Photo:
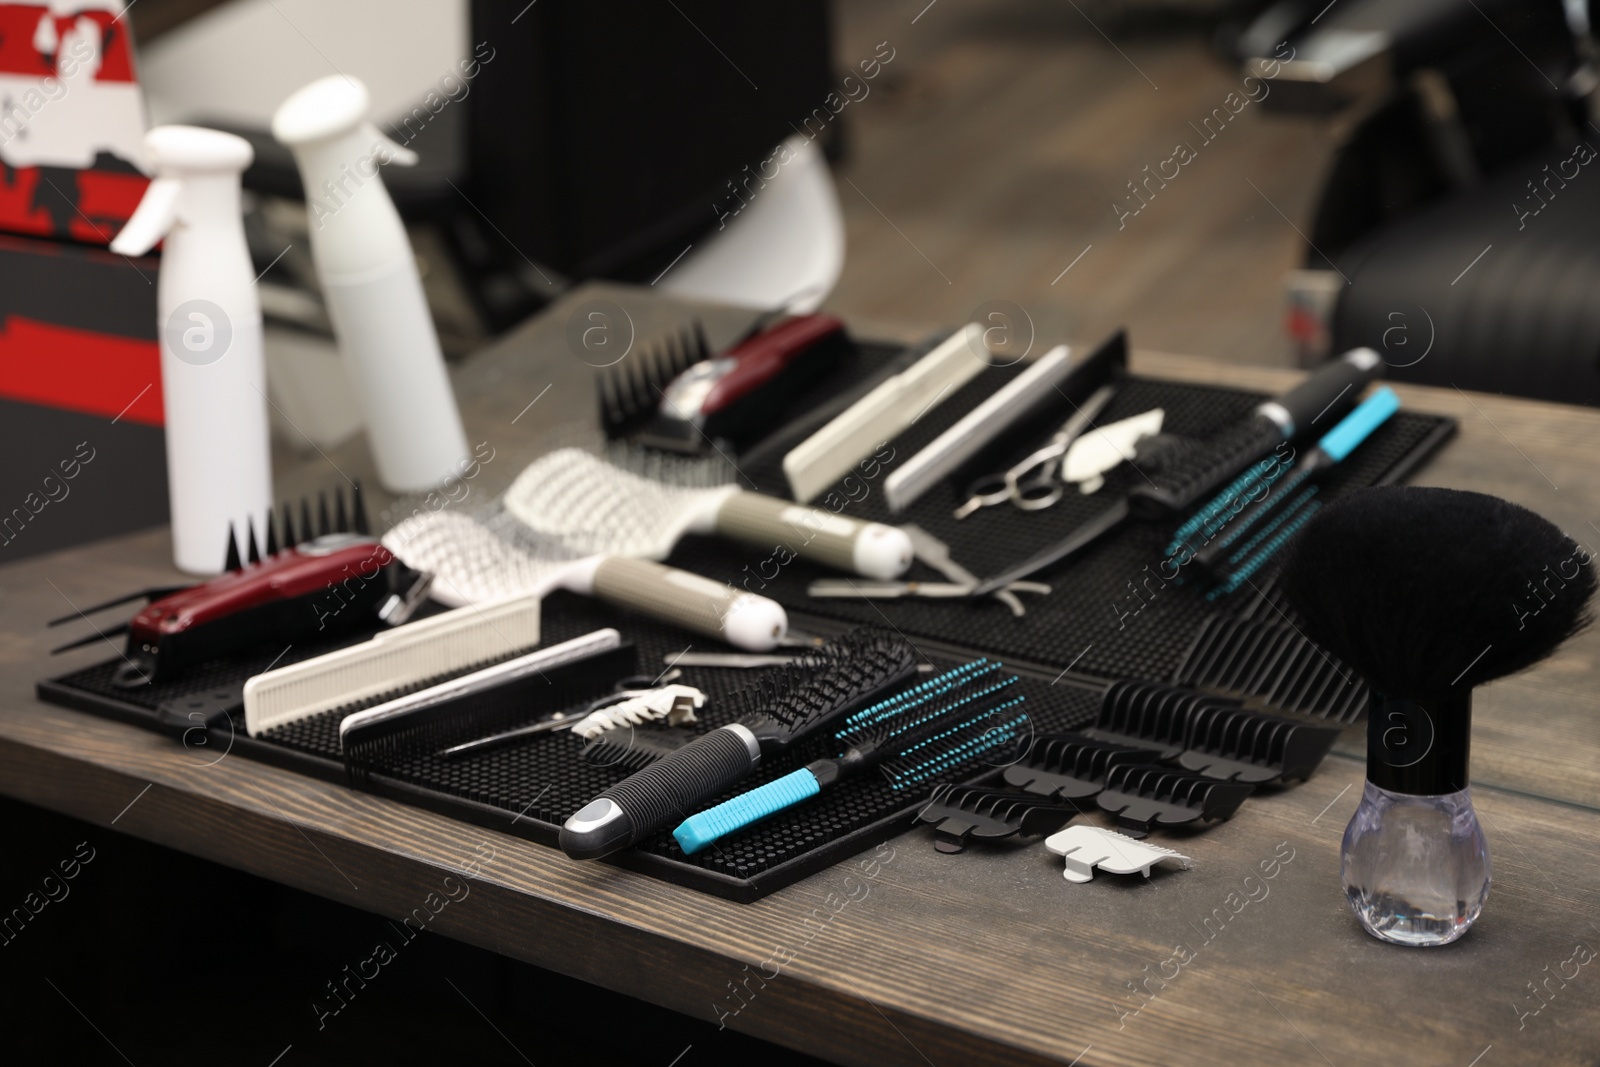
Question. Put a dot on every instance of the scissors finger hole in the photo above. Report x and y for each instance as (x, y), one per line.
(1037, 495)
(991, 489)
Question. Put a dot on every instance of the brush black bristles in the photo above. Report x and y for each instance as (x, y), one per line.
(1424, 591)
(927, 733)
(784, 705)
(789, 701)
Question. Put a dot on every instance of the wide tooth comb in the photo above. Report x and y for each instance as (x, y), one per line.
(1274, 664)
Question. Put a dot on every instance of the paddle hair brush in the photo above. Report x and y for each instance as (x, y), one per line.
(784, 705)
(1429, 593)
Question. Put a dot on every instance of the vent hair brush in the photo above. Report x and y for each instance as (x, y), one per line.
(590, 506)
(919, 736)
(785, 705)
(472, 564)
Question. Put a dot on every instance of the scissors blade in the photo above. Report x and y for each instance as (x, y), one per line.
(1075, 542)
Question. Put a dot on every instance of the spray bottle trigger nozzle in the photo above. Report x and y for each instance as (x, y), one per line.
(152, 219)
(397, 152)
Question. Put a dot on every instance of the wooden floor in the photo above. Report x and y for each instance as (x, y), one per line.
(990, 152)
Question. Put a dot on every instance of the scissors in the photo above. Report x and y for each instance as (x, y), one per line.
(631, 686)
(1032, 485)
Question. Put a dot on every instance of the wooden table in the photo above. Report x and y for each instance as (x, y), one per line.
(907, 956)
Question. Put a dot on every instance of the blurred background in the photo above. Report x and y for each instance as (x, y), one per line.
(990, 151)
(1260, 181)
(1256, 181)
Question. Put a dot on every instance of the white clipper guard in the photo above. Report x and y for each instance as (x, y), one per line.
(1086, 847)
(1099, 450)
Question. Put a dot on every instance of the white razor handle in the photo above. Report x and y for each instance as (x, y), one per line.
(742, 619)
(870, 549)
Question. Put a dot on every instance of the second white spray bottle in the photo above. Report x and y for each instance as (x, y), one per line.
(369, 279)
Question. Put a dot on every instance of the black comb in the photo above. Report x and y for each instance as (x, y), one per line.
(1274, 664)
(1210, 735)
(783, 705)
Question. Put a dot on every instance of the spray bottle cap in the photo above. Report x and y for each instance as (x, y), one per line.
(327, 108)
(177, 153)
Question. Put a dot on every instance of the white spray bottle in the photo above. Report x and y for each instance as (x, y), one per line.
(213, 377)
(369, 279)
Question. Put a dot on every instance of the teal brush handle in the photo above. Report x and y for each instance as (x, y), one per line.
(1357, 426)
(699, 830)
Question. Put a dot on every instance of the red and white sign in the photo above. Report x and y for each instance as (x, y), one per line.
(69, 100)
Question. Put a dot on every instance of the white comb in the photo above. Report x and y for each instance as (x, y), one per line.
(588, 506)
(391, 661)
(881, 415)
(473, 563)
(1087, 847)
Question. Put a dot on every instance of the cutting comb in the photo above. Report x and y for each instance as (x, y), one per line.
(784, 705)
(923, 734)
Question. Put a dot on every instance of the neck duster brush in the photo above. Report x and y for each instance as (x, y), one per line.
(1429, 593)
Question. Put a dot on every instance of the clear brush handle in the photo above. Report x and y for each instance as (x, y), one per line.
(699, 830)
(742, 619)
(1415, 868)
(870, 549)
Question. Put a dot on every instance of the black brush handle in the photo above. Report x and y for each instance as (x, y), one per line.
(1305, 407)
(661, 795)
